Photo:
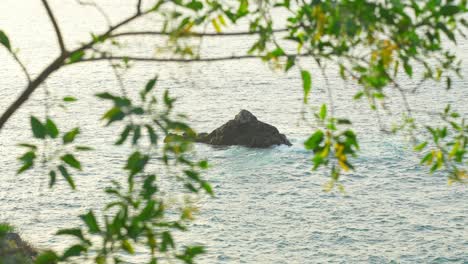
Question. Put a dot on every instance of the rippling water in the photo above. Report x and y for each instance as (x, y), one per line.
(269, 206)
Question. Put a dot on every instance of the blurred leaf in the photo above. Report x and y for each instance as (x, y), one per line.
(306, 84)
(4, 40)
(47, 257)
(28, 161)
(90, 220)
(124, 134)
(290, 62)
(71, 161)
(313, 141)
(51, 128)
(67, 176)
(83, 148)
(69, 99)
(69, 137)
(39, 130)
(323, 112)
(53, 178)
(73, 251)
(127, 247)
(166, 241)
(76, 232)
(216, 25)
(76, 56)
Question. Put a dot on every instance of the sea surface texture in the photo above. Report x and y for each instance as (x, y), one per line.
(270, 207)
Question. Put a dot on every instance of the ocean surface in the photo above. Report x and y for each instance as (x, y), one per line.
(269, 206)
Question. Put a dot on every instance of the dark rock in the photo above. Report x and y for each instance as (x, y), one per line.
(15, 250)
(244, 130)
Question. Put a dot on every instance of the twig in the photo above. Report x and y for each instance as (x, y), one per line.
(139, 7)
(191, 34)
(98, 8)
(54, 66)
(23, 67)
(56, 26)
(149, 59)
(32, 86)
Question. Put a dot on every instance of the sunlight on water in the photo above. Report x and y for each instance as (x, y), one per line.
(269, 206)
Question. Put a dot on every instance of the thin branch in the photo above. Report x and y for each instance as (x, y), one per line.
(191, 34)
(54, 66)
(150, 59)
(23, 67)
(98, 8)
(56, 26)
(139, 6)
(32, 86)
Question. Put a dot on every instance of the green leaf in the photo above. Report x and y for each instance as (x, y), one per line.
(124, 135)
(150, 85)
(67, 176)
(449, 10)
(136, 162)
(207, 187)
(203, 164)
(51, 128)
(243, 8)
(152, 135)
(166, 241)
(4, 40)
(408, 69)
(306, 84)
(38, 129)
(313, 141)
(26, 145)
(69, 99)
(106, 96)
(90, 220)
(114, 114)
(83, 148)
(216, 25)
(323, 112)
(343, 121)
(420, 146)
(76, 232)
(136, 135)
(73, 251)
(358, 95)
(69, 137)
(28, 161)
(47, 257)
(53, 178)
(195, 5)
(71, 161)
(290, 63)
(127, 247)
(76, 56)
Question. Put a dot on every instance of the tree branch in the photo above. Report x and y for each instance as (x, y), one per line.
(32, 86)
(138, 7)
(55, 65)
(56, 26)
(23, 67)
(149, 59)
(98, 8)
(191, 34)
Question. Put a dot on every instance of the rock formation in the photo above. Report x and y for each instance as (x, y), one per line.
(244, 130)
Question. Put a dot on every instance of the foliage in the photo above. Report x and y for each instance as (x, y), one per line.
(13, 250)
(6, 228)
(373, 43)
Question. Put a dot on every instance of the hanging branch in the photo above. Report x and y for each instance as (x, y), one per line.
(56, 26)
